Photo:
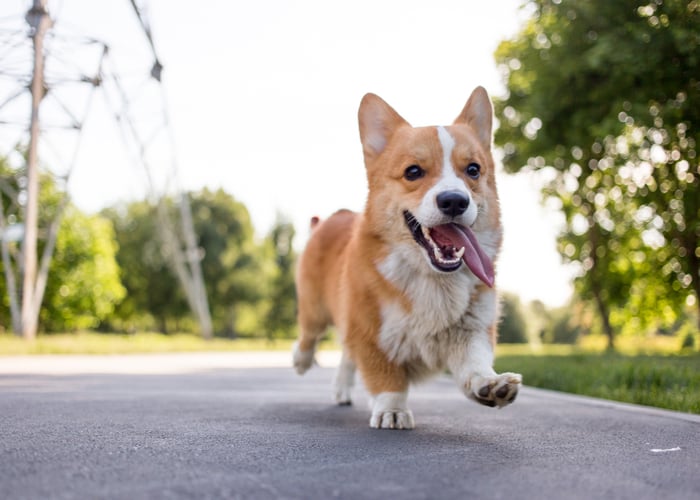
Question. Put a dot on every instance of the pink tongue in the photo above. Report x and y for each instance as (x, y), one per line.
(474, 257)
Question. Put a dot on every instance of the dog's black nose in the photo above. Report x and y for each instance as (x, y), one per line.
(452, 203)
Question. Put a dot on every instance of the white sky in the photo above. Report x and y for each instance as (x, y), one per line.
(263, 99)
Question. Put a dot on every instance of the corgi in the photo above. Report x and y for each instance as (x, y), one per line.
(409, 283)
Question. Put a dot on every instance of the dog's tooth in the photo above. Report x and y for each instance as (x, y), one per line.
(459, 253)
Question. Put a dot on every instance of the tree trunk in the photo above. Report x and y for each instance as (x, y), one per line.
(605, 319)
(163, 325)
(694, 270)
(594, 239)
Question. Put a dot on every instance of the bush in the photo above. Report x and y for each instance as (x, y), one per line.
(512, 328)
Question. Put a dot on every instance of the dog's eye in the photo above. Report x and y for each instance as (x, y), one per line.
(473, 170)
(413, 173)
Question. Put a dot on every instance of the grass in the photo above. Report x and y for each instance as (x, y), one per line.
(97, 343)
(642, 371)
(664, 381)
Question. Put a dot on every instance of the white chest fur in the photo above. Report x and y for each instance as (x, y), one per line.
(441, 313)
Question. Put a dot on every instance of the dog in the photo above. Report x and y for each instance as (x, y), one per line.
(409, 283)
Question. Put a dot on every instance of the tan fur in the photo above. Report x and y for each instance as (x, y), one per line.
(339, 281)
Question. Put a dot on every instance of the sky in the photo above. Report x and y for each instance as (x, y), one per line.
(262, 99)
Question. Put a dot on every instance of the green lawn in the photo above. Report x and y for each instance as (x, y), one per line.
(671, 381)
(97, 343)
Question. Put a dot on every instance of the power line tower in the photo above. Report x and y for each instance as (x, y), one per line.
(40, 22)
(178, 238)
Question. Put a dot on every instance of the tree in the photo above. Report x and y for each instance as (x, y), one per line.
(10, 235)
(233, 265)
(512, 328)
(280, 319)
(24, 316)
(152, 289)
(82, 285)
(604, 98)
(563, 327)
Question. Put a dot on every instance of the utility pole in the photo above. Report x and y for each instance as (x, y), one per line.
(196, 281)
(39, 20)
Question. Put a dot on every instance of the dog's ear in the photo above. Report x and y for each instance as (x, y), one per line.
(478, 114)
(378, 122)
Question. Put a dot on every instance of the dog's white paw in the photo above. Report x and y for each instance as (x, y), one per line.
(342, 396)
(392, 419)
(389, 411)
(344, 381)
(303, 360)
(495, 390)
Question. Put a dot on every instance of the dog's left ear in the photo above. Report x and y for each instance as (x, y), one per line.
(478, 114)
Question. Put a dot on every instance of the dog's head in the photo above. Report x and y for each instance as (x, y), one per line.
(435, 186)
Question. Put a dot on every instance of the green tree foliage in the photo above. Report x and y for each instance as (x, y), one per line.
(10, 207)
(280, 319)
(152, 289)
(512, 329)
(563, 328)
(604, 99)
(233, 265)
(83, 283)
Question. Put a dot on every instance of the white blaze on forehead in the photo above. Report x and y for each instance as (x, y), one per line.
(447, 142)
(448, 179)
(428, 213)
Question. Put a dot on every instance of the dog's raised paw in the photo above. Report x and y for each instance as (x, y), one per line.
(497, 390)
(392, 419)
(302, 360)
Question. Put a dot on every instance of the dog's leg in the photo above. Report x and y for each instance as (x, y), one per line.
(472, 367)
(344, 380)
(389, 411)
(478, 379)
(303, 359)
(471, 359)
(310, 332)
(388, 385)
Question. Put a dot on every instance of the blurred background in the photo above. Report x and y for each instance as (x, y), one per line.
(181, 150)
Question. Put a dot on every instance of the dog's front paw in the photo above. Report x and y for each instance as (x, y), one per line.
(392, 419)
(303, 360)
(496, 390)
(389, 411)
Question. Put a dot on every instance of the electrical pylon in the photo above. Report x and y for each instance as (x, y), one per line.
(182, 252)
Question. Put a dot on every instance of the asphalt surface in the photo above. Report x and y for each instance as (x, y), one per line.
(199, 426)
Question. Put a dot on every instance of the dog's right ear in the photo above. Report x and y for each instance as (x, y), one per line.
(378, 122)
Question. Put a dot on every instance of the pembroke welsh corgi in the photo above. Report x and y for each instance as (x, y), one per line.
(409, 283)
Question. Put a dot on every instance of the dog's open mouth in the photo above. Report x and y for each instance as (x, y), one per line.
(448, 245)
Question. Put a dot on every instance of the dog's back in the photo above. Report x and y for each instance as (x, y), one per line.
(319, 268)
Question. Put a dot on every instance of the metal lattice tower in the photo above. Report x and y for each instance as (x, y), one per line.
(54, 68)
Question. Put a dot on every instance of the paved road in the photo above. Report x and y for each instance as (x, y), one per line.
(215, 426)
